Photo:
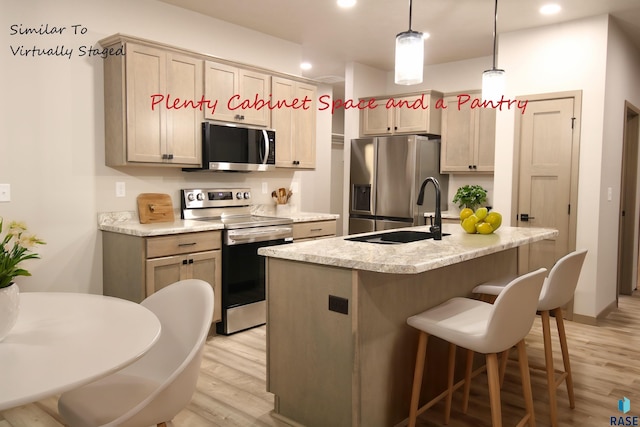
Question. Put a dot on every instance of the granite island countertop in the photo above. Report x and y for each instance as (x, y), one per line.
(407, 258)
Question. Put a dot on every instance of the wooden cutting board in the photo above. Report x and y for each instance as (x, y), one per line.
(155, 207)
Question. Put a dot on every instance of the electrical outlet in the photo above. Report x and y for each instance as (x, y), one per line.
(121, 190)
(5, 192)
(609, 193)
(265, 189)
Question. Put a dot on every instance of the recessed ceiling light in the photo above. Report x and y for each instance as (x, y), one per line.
(306, 66)
(346, 3)
(550, 9)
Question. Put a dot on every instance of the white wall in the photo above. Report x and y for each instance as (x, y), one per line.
(622, 84)
(315, 184)
(52, 141)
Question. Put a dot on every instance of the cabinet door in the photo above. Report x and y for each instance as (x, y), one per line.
(184, 135)
(418, 113)
(295, 128)
(162, 272)
(485, 140)
(220, 84)
(408, 119)
(304, 125)
(145, 76)
(458, 134)
(376, 121)
(207, 266)
(254, 87)
(282, 120)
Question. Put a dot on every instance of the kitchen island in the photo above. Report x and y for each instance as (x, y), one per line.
(339, 351)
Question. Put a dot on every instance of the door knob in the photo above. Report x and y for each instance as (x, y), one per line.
(525, 217)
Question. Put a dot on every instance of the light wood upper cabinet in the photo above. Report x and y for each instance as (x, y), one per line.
(295, 127)
(402, 115)
(468, 136)
(139, 128)
(231, 86)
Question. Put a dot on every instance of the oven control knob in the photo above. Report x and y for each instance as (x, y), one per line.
(191, 197)
(247, 195)
(239, 195)
(200, 196)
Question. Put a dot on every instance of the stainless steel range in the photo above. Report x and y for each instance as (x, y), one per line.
(243, 270)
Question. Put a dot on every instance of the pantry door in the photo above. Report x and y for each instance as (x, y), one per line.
(546, 153)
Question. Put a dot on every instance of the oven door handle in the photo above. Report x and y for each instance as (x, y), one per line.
(244, 236)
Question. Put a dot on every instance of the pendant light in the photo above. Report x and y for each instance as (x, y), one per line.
(409, 55)
(493, 80)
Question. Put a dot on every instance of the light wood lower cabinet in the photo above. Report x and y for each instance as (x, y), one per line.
(313, 230)
(136, 267)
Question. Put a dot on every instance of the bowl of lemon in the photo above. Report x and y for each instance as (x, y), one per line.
(482, 221)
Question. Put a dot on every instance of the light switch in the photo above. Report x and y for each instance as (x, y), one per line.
(5, 192)
(609, 193)
(121, 190)
(265, 189)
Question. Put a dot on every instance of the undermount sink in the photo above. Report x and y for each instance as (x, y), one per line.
(394, 237)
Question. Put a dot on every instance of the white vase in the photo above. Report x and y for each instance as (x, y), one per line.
(9, 308)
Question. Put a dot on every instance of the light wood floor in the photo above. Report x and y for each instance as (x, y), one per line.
(231, 387)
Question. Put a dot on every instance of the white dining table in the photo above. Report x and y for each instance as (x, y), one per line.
(64, 340)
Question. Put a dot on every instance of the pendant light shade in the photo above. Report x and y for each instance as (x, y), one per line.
(409, 55)
(493, 80)
(409, 58)
(493, 85)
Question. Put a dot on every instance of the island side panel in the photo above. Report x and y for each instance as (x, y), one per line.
(309, 348)
(386, 345)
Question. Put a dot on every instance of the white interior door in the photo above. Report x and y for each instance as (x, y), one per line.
(548, 140)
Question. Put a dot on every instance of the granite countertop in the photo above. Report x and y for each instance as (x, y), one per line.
(287, 212)
(128, 223)
(407, 258)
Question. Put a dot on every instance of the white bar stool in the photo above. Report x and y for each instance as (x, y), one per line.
(557, 291)
(483, 328)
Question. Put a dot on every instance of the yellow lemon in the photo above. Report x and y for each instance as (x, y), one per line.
(481, 213)
(495, 219)
(484, 228)
(465, 213)
(469, 224)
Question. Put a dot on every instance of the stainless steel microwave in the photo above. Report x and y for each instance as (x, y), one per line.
(237, 148)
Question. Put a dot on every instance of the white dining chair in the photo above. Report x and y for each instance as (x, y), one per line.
(482, 328)
(152, 390)
(557, 291)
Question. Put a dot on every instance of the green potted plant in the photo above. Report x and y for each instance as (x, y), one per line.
(470, 196)
(15, 247)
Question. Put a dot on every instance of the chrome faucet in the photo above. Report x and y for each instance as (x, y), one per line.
(436, 228)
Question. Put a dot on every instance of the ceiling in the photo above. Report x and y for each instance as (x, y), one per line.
(460, 29)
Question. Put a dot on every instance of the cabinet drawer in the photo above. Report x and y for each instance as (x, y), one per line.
(307, 230)
(182, 243)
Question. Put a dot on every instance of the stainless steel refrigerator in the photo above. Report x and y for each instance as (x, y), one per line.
(386, 173)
